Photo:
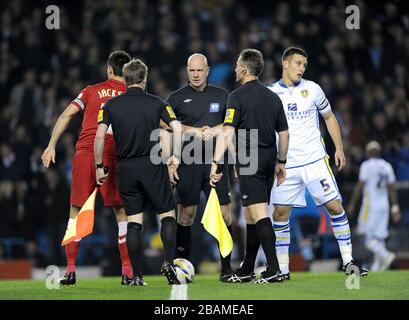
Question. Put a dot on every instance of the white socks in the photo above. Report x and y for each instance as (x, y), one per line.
(378, 248)
(340, 227)
(282, 232)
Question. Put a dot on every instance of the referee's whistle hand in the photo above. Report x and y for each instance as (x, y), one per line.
(173, 177)
(173, 165)
(215, 178)
(280, 173)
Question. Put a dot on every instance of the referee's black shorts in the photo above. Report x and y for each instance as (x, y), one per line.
(256, 188)
(142, 183)
(193, 178)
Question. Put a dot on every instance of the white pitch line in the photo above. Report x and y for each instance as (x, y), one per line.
(179, 292)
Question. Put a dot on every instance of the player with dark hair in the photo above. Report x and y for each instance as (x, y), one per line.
(376, 185)
(307, 165)
(259, 113)
(88, 103)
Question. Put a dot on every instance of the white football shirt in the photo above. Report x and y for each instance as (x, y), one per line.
(301, 103)
(377, 174)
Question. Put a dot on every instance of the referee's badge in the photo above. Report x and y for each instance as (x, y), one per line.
(229, 116)
(170, 112)
(214, 107)
(304, 93)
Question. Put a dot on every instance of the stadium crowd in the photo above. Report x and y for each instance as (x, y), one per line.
(363, 73)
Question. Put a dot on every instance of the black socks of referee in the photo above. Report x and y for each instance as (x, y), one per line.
(252, 245)
(168, 236)
(184, 241)
(267, 238)
(134, 244)
(226, 262)
(184, 246)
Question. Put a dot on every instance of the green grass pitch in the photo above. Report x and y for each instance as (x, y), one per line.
(392, 285)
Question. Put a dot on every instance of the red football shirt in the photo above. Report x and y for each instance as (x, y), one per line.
(89, 101)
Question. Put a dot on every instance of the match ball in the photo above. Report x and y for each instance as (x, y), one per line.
(184, 270)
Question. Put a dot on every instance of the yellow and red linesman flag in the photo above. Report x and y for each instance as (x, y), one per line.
(83, 222)
(213, 222)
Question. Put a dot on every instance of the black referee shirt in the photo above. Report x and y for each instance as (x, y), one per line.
(199, 108)
(134, 115)
(254, 106)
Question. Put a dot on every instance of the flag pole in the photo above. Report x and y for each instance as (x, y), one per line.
(213, 221)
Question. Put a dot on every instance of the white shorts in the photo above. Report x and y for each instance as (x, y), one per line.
(317, 177)
(373, 221)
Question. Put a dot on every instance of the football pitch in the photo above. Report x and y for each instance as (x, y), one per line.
(393, 285)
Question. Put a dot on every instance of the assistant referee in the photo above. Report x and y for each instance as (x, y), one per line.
(133, 116)
(259, 112)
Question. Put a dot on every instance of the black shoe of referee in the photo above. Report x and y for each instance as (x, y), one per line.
(270, 276)
(225, 275)
(69, 279)
(239, 277)
(168, 270)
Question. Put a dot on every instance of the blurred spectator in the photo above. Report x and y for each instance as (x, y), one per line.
(56, 205)
(27, 97)
(402, 167)
(11, 166)
(7, 206)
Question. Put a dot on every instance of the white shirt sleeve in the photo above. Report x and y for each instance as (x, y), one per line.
(363, 173)
(391, 175)
(321, 101)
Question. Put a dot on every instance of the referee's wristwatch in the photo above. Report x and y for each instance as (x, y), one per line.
(99, 165)
(282, 161)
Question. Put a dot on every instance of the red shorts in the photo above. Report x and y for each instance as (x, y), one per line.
(83, 180)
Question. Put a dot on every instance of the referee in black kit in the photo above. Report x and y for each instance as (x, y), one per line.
(133, 116)
(200, 107)
(254, 106)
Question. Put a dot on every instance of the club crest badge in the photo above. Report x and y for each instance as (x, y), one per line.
(214, 107)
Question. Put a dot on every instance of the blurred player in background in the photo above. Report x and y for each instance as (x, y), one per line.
(307, 164)
(377, 182)
(89, 102)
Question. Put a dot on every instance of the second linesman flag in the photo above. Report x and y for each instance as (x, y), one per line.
(213, 222)
(83, 222)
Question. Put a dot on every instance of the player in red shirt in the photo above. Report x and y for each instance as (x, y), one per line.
(89, 102)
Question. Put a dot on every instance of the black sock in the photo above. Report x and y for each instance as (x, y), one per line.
(134, 244)
(226, 262)
(267, 237)
(252, 245)
(183, 241)
(168, 236)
